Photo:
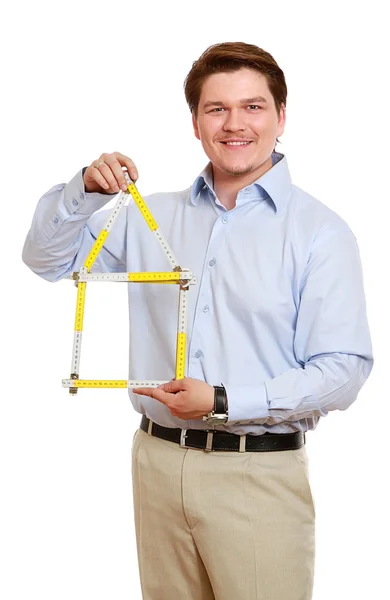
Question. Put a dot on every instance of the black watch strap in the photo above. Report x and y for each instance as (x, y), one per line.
(220, 400)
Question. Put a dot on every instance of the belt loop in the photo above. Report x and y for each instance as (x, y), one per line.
(209, 443)
(242, 443)
(150, 427)
(183, 436)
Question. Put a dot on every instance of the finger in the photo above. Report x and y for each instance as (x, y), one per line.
(95, 174)
(159, 395)
(116, 168)
(105, 170)
(125, 161)
(144, 391)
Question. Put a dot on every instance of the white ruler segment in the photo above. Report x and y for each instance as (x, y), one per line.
(167, 249)
(75, 368)
(116, 210)
(106, 383)
(183, 311)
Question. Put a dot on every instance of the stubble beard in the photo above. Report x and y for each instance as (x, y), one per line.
(238, 171)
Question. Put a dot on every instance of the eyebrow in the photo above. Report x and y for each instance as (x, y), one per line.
(244, 101)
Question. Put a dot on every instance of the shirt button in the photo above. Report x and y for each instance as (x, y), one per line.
(198, 354)
(224, 219)
(247, 190)
(206, 308)
(74, 202)
(81, 196)
(212, 262)
(55, 220)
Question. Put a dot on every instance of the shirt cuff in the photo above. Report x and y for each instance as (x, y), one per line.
(77, 200)
(247, 403)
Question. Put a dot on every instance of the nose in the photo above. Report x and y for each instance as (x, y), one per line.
(234, 121)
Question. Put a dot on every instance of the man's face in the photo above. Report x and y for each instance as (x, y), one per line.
(237, 128)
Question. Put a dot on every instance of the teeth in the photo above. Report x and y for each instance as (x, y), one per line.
(236, 143)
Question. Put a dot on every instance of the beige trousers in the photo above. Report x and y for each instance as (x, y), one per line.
(222, 525)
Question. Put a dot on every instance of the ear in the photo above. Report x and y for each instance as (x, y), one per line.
(282, 120)
(195, 126)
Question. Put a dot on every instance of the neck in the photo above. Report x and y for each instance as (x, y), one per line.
(227, 186)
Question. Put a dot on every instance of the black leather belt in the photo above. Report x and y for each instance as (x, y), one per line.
(211, 440)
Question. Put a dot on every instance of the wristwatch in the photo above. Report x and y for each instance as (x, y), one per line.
(219, 415)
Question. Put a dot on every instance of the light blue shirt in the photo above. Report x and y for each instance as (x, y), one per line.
(278, 315)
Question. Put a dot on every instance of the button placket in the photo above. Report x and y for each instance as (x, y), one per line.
(204, 292)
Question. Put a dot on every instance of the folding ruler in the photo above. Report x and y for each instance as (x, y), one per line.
(182, 277)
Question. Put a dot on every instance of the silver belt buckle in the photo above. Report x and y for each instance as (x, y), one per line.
(182, 438)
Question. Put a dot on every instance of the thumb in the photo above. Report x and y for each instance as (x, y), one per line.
(172, 386)
(162, 384)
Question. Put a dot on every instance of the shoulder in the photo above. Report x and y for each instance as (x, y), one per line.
(313, 218)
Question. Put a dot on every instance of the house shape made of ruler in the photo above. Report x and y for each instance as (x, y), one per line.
(181, 277)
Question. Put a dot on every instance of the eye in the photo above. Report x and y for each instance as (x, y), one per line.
(254, 107)
(217, 109)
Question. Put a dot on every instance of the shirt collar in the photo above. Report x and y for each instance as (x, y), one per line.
(275, 183)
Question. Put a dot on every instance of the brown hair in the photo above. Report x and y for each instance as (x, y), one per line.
(229, 57)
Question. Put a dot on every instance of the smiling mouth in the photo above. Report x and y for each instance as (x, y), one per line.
(235, 144)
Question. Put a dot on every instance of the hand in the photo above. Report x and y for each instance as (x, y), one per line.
(108, 178)
(186, 398)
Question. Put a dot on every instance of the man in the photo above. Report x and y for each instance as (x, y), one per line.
(278, 337)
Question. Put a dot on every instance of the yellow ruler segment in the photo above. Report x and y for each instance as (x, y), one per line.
(100, 383)
(142, 206)
(92, 256)
(180, 355)
(80, 302)
(156, 277)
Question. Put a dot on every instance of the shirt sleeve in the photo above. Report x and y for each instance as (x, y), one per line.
(65, 225)
(332, 342)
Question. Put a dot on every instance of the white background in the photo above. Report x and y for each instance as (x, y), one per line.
(91, 77)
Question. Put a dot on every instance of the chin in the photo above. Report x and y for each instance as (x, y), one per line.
(238, 170)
